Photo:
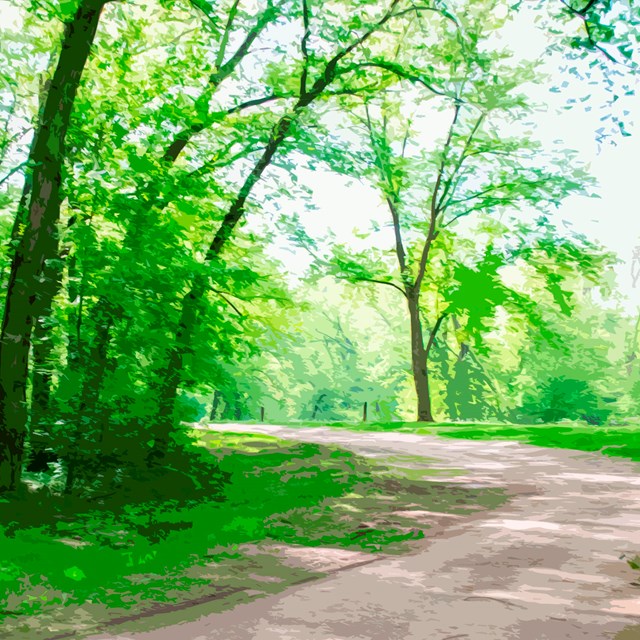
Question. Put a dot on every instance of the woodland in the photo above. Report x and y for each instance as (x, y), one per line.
(153, 154)
(160, 161)
(140, 290)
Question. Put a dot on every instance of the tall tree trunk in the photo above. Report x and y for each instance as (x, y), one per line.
(95, 364)
(42, 374)
(215, 405)
(227, 410)
(419, 360)
(27, 291)
(42, 349)
(171, 377)
(191, 302)
(91, 356)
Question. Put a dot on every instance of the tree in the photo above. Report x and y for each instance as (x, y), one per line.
(327, 71)
(176, 176)
(475, 169)
(27, 291)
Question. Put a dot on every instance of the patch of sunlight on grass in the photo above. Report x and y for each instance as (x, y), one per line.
(611, 440)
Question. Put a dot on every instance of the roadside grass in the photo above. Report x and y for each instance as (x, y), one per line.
(68, 565)
(620, 441)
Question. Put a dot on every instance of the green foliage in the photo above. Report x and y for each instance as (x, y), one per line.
(196, 143)
(195, 139)
(564, 399)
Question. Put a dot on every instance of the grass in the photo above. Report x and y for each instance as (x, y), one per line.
(621, 441)
(64, 567)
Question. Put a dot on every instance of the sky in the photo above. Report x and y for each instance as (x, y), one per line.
(346, 207)
(612, 218)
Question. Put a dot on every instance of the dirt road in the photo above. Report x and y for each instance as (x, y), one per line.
(546, 566)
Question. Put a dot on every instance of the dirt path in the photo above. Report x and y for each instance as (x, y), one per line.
(545, 566)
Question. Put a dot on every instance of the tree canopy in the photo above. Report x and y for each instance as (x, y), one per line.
(155, 161)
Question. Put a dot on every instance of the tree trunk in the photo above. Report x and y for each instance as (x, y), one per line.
(172, 375)
(94, 366)
(42, 349)
(42, 374)
(316, 406)
(419, 360)
(227, 410)
(27, 290)
(215, 405)
(189, 316)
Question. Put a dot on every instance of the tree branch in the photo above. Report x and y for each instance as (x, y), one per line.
(330, 69)
(457, 217)
(432, 234)
(223, 295)
(479, 194)
(433, 332)
(224, 41)
(399, 71)
(224, 70)
(12, 171)
(391, 198)
(582, 14)
(279, 134)
(227, 68)
(456, 169)
(375, 281)
(182, 139)
(304, 47)
(579, 12)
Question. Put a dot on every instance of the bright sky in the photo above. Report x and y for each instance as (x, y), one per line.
(613, 219)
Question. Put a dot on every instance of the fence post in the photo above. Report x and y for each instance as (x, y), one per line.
(261, 414)
(364, 412)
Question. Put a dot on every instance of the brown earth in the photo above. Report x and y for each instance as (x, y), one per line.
(546, 566)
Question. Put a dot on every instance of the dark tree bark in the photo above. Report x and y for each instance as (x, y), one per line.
(27, 290)
(419, 361)
(420, 357)
(94, 363)
(170, 381)
(215, 405)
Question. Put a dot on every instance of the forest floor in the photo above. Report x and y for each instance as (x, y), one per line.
(549, 563)
(289, 512)
(617, 441)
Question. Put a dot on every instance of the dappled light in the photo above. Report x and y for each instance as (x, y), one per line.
(320, 319)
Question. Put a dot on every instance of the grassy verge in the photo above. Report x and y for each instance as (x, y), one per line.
(77, 567)
(622, 441)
